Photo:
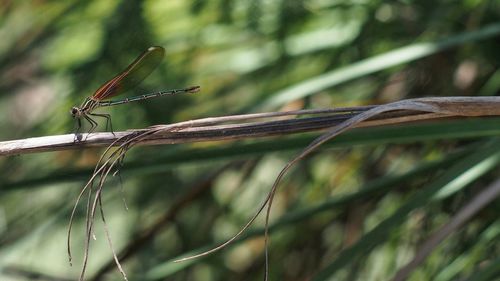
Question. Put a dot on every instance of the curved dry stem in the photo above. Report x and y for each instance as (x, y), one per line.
(89, 183)
(336, 130)
(229, 241)
(70, 226)
(91, 216)
(102, 169)
(88, 233)
(110, 242)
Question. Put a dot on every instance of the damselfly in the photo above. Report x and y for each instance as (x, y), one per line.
(132, 76)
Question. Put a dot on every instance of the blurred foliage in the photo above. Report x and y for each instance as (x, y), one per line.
(356, 211)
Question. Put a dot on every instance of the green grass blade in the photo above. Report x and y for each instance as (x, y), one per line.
(469, 259)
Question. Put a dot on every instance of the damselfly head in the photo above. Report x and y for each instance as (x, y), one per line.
(76, 112)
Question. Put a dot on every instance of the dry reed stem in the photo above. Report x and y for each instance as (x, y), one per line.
(206, 129)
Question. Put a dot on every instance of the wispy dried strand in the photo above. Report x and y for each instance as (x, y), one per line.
(105, 165)
(89, 183)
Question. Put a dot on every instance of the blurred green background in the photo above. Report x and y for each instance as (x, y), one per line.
(358, 210)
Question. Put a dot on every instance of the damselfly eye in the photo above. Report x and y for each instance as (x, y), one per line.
(74, 111)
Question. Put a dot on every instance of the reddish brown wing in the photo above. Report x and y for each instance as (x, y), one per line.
(139, 69)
